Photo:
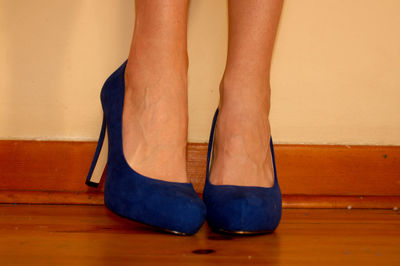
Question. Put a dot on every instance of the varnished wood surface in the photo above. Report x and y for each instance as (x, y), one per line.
(92, 235)
(288, 201)
(318, 170)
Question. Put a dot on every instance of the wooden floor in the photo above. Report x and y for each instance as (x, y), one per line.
(92, 235)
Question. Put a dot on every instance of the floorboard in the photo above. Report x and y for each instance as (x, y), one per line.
(92, 235)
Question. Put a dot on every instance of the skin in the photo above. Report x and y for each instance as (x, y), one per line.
(155, 118)
(241, 149)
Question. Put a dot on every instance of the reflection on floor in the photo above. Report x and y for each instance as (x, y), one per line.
(92, 235)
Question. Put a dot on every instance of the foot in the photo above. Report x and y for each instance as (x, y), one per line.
(155, 117)
(242, 153)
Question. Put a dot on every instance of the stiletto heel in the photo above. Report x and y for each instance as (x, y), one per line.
(241, 209)
(99, 161)
(170, 206)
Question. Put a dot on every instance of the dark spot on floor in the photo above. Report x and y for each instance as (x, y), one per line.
(203, 251)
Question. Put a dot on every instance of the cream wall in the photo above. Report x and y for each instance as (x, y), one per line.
(335, 77)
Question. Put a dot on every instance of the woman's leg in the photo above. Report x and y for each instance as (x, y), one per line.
(242, 154)
(155, 109)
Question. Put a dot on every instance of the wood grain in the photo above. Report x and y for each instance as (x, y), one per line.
(317, 170)
(92, 235)
(288, 201)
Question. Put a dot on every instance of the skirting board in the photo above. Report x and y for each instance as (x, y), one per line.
(311, 176)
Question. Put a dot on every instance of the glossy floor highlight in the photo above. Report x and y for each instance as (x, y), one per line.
(88, 235)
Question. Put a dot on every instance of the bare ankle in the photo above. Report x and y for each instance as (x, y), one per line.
(241, 96)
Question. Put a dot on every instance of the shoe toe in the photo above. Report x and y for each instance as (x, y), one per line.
(244, 211)
(172, 207)
(181, 211)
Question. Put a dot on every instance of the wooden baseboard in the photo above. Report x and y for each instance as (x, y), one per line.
(320, 176)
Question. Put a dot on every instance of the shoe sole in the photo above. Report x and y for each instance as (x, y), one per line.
(243, 233)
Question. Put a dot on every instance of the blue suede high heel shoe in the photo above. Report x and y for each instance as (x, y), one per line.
(241, 209)
(170, 206)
